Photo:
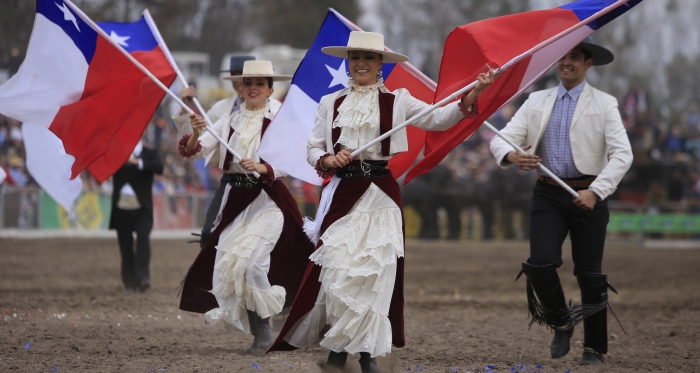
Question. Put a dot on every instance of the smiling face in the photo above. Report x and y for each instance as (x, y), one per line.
(364, 66)
(255, 92)
(572, 68)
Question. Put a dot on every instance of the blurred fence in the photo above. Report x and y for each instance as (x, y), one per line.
(32, 208)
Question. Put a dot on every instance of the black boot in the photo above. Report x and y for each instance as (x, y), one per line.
(337, 359)
(368, 364)
(593, 311)
(547, 305)
(591, 357)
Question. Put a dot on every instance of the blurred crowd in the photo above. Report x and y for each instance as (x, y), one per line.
(665, 176)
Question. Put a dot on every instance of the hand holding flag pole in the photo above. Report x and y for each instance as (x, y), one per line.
(543, 168)
(162, 86)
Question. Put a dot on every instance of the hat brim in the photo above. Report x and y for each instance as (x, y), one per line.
(342, 52)
(601, 56)
(276, 78)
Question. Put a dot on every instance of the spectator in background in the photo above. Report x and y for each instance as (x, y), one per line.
(132, 211)
(675, 142)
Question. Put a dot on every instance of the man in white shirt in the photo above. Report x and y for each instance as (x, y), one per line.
(576, 132)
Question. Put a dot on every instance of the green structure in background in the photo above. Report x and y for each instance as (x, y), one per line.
(91, 212)
(661, 223)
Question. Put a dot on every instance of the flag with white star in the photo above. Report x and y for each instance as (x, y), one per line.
(83, 104)
(284, 143)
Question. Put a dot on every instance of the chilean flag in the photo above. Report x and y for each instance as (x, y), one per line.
(284, 143)
(83, 104)
(534, 41)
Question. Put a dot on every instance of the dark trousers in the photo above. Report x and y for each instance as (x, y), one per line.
(553, 215)
(134, 264)
(213, 209)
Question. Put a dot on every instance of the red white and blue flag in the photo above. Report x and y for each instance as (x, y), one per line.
(83, 104)
(550, 34)
(284, 143)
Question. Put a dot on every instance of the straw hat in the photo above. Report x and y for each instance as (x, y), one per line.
(257, 69)
(365, 41)
(601, 55)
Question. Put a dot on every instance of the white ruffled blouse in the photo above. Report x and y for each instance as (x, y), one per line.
(358, 119)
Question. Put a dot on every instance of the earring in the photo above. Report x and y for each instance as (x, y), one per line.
(267, 99)
(348, 74)
(380, 74)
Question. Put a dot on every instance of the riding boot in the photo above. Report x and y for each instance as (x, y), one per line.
(547, 305)
(337, 359)
(264, 333)
(252, 316)
(594, 299)
(368, 364)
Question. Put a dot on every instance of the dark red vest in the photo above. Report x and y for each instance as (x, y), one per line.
(386, 116)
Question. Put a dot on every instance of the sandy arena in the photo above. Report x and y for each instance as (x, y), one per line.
(63, 310)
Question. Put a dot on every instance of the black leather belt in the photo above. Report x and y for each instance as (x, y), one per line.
(242, 181)
(579, 182)
(363, 170)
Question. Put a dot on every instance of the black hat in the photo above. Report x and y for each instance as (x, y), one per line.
(236, 63)
(601, 56)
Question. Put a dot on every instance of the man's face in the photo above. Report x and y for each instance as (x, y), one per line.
(237, 86)
(572, 67)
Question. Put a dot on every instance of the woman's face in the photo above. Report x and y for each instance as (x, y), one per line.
(255, 92)
(364, 66)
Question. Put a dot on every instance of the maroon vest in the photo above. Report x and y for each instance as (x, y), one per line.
(229, 157)
(386, 117)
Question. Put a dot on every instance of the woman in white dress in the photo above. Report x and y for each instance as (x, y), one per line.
(253, 263)
(352, 298)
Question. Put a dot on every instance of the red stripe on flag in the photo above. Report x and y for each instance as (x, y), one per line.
(468, 49)
(495, 41)
(441, 143)
(113, 91)
(124, 141)
(401, 78)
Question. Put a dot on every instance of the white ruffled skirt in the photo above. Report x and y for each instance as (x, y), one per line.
(242, 263)
(359, 257)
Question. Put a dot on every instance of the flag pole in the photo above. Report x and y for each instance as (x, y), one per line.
(421, 114)
(181, 76)
(497, 71)
(155, 80)
(542, 167)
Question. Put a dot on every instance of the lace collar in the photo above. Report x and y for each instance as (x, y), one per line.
(254, 113)
(365, 88)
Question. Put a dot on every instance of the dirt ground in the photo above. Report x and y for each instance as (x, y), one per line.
(63, 310)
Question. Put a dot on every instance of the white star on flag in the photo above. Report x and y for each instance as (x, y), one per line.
(339, 76)
(121, 40)
(68, 15)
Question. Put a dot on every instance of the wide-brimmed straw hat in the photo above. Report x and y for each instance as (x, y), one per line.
(601, 55)
(368, 42)
(258, 69)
